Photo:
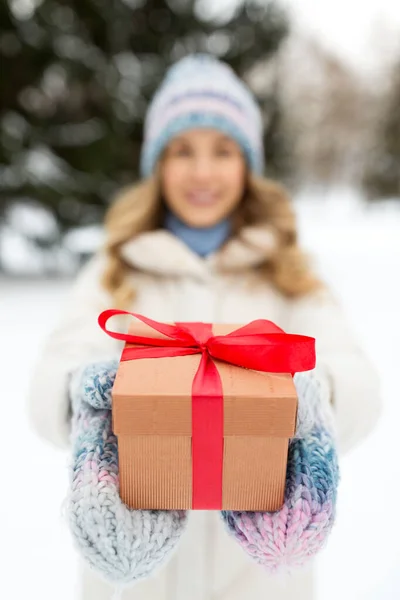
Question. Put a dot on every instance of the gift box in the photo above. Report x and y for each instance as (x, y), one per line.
(198, 432)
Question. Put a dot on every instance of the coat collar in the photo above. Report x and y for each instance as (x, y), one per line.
(160, 252)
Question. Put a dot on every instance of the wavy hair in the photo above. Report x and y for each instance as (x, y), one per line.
(138, 208)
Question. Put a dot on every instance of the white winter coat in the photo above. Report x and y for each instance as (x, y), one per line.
(174, 284)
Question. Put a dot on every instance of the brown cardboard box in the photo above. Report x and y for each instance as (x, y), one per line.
(151, 414)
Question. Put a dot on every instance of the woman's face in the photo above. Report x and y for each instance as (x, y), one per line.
(202, 176)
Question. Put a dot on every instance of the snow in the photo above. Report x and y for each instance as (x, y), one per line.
(358, 251)
(30, 243)
(84, 239)
(34, 538)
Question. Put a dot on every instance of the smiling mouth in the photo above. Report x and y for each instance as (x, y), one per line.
(202, 198)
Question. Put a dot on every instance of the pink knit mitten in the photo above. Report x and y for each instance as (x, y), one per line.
(290, 537)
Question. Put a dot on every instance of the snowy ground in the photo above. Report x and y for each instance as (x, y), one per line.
(359, 253)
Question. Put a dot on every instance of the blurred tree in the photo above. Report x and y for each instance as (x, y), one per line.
(382, 172)
(77, 76)
(328, 109)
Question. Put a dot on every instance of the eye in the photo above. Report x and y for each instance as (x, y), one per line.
(224, 151)
(180, 151)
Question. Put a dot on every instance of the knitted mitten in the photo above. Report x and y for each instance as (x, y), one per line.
(286, 539)
(121, 544)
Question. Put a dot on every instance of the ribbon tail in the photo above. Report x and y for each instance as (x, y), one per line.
(207, 436)
(273, 353)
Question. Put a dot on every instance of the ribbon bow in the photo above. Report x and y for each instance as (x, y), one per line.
(260, 345)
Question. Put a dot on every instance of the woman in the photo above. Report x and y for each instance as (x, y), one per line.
(202, 237)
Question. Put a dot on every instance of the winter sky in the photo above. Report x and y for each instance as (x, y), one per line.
(359, 30)
(362, 32)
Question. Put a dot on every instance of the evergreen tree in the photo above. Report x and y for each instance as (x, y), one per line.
(77, 77)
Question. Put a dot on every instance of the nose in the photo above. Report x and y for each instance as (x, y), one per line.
(202, 167)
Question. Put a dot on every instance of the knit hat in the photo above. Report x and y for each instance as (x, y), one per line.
(201, 91)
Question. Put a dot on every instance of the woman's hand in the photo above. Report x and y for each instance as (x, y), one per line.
(121, 544)
(288, 538)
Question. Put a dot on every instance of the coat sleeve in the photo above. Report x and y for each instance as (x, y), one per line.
(75, 341)
(354, 381)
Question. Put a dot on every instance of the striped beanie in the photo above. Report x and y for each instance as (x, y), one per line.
(201, 91)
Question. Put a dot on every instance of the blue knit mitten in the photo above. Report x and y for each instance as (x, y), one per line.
(288, 538)
(120, 544)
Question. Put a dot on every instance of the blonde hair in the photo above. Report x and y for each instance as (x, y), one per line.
(139, 208)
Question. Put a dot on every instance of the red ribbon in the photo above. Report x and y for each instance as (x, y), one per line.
(261, 345)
